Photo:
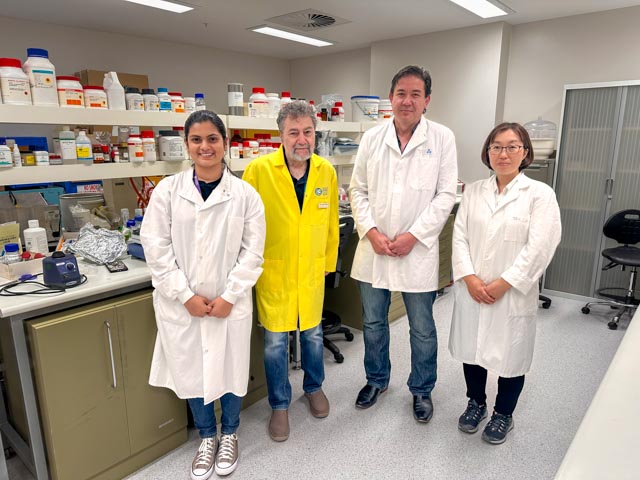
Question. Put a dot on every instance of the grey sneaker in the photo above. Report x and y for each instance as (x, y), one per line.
(496, 430)
(470, 420)
(227, 458)
(202, 465)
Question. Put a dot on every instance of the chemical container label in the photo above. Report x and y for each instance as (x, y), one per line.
(70, 97)
(42, 78)
(15, 90)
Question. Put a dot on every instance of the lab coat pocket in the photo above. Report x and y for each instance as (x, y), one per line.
(317, 276)
(170, 311)
(516, 229)
(522, 305)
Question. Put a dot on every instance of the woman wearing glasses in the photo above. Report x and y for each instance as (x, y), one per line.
(506, 231)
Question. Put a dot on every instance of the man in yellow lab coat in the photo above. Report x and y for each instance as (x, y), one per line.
(300, 194)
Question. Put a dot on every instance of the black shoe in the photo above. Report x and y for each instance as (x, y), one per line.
(368, 396)
(422, 408)
(496, 430)
(472, 416)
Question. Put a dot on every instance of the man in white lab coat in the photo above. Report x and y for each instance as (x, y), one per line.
(402, 191)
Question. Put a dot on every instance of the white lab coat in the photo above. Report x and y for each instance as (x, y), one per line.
(516, 241)
(414, 192)
(211, 248)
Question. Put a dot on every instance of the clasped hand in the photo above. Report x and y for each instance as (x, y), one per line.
(398, 247)
(483, 293)
(198, 306)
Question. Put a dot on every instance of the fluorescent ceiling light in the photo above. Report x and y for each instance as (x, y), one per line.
(163, 4)
(482, 8)
(274, 32)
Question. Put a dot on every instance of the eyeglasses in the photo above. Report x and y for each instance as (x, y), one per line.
(511, 149)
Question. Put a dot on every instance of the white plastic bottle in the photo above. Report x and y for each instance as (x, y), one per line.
(200, 105)
(259, 102)
(70, 92)
(17, 159)
(189, 105)
(136, 153)
(150, 99)
(115, 91)
(149, 146)
(285, 97)
(84, 151)
(42, 77)
(14, 83)
(68, 146)
(177, 102)
(134, 99)
(35, 238)
(274, 104)
(165, 99)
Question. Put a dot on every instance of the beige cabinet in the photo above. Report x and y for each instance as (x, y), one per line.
(101, 419)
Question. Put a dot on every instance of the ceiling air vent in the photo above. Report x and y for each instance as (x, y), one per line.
(306, 20)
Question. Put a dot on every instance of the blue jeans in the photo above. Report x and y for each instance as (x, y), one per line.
(422, 338)
(204, 416)
(276, 364)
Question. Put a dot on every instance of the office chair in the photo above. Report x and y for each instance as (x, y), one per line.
(331, 322)
(624, 228)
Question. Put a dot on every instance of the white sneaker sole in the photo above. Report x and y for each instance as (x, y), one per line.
(204, 476)
(227, 470)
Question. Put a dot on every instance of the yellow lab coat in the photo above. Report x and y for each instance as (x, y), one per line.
(300, 246)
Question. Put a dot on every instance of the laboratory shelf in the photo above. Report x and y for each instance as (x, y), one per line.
(37, 115)
(95, 171)
(249, 123)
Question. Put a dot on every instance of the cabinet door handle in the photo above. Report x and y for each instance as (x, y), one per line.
(611, 180)
(607, 188)
(113, 365)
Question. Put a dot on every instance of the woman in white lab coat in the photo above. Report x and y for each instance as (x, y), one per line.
(203, 237)
(506, 231)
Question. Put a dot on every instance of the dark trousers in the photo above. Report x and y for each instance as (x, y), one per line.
(508, 388)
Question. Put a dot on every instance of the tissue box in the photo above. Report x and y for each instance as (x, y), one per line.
(13, 271)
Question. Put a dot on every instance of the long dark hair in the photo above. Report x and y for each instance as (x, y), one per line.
(201, 116)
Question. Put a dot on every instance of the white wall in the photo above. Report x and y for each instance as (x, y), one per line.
(346, 73)
(465, 70)
(181, 67)
(544, 56)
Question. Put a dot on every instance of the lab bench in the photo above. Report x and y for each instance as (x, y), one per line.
(76, 367)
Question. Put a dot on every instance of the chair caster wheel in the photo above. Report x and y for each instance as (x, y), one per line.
(546, 305)
(339, 358)
(586, 310)
(349, 337)
(612, 325)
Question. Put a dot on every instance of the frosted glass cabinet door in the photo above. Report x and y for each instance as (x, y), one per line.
(626, 178)
(584, 164)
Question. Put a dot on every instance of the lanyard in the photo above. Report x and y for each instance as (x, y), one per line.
(196, 182)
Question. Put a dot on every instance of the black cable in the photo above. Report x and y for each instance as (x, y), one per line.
(6, 290)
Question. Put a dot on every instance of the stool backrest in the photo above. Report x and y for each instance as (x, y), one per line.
(623, 227)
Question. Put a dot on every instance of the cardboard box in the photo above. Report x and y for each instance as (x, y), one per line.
(13, 271)
(96, 77)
